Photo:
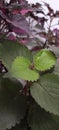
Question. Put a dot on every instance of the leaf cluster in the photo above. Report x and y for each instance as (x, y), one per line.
(29, 67)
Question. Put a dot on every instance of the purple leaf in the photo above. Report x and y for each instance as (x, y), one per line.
(20, 22)
(56, 32)
(37, 5)
(56, 14)
(22, 1)
(33, 16)
(17, 21)
(2, 15)
(18, 31)
(10, 36)
(25, 11)
(42, 20)
(0, 3)
(57, 41)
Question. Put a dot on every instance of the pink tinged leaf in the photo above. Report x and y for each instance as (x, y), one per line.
(29, 9)
(18, 31)
(24, 11)
(11, 36)
(15, 11)
(20, 23)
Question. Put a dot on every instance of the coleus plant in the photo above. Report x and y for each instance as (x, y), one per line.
(29, 67)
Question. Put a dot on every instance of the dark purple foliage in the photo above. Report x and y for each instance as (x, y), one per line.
(56, 32)
(17, 22)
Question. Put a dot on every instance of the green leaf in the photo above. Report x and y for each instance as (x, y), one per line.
(42, 120)
(21, 126)
(44, 60)
(46, 92)
(9, 50)
(12, 86)
(21, 69)
(56, 69)
(12, 108)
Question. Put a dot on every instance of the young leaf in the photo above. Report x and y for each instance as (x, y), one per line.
(9, 50)
(42, 120)
(21, 69)
(46, 92)
(44, 60)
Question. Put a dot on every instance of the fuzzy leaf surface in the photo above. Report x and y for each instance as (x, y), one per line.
(46, 93)
(44, 60)
(12, 85)
(56, 69)
(39, 119)
(12, 107)
(21, 69)
(9, 50)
